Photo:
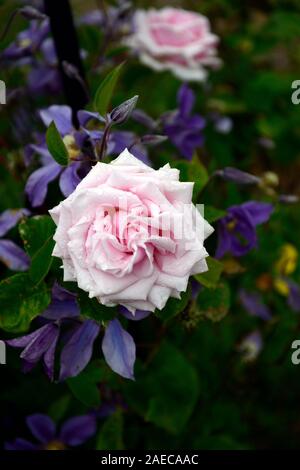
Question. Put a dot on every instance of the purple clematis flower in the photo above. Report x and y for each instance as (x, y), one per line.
(237, 230)
(81, 145)
(254, 305)
(294, 295)
(27, 43)
(184, 129)
(44, 76)
(74, 432)
(11, 254)
(77, 343)
(33, 47)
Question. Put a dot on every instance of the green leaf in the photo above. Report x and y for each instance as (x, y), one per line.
(105, 91)
(167, 391)
(193, 171)
(214, 304)
(34, 231)
(173, 307)
(212, 214)
(37, 234)
(110, 436)
(91, 308)
(21, 301)
(56, 145)
(85, 385)
(59, 407)
(41, 261)
(211, 277)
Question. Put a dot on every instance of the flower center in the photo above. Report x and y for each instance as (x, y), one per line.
(71, 146)
(55, 445)
(231, 225)
(26, 42)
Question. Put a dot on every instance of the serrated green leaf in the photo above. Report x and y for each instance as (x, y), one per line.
(110, 436)
(211, 277)
(214, 304)
(56, 145)
(105, 91)
(21, 301)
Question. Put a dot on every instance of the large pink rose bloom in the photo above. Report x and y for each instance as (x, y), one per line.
(175, 39)
(130, 235)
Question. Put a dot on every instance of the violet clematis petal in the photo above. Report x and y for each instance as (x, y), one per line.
(49, 357)
(259, 212)
(119, 349)
(48, 51)
(139, 314)
(141, 117)
(13, 256)
(196, 288)
(20, 444)
(140, 152)
(42, 427)
(37, 183)
(186, 100)
(77, 430)
(61, 115)
(10, 218)
(85, 116)
(63, 304)
(244, 236)
(69, 179)
(43, 152)
(183, 128)
(224, 239)
(78, 350)
(24, 341)
(252, 302)
(123, 140)
(240, 222)
(27, 366)
(294, 296)
(44, 79)
(40, 344)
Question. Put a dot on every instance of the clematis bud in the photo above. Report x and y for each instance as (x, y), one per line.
(237, 176)
(122, 112)
(149, 139)
(31, 13)
(288, 199)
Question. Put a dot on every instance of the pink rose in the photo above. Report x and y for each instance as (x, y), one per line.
(130, 235)
(176, 40)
